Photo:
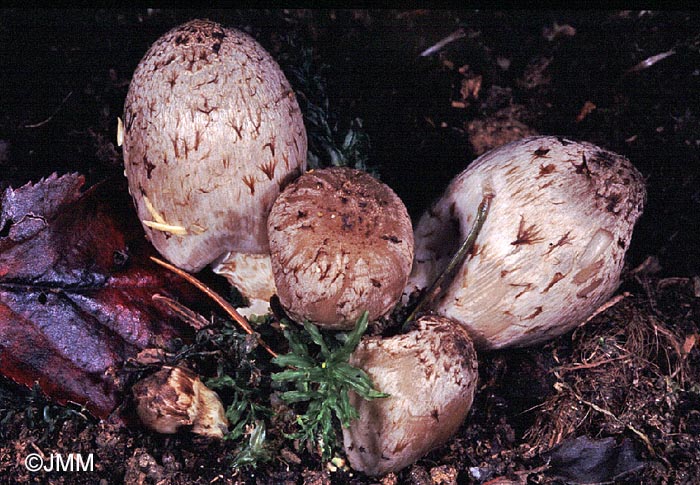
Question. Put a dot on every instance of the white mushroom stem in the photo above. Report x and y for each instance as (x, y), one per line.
(252, 275)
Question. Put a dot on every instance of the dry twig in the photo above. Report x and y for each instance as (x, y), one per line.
(192, 318)
(226, 306)
(610, 303)
(42, 123)
(456, 35)
(650, 61)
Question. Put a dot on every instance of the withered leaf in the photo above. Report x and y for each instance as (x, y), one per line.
(76, 290)
(584, 460)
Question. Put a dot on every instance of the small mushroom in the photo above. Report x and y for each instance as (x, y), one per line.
(551, 249)
(430, 374)
(212, 132)
(341, 242)
(175, 398)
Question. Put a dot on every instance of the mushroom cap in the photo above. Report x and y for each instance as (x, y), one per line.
(341, 242)
(551, 249)
(212, 132)
(430, 374)
(173, 398)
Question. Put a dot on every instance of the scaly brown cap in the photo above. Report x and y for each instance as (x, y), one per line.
(341, 243)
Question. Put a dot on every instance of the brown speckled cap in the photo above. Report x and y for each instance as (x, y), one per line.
(341, 243)
(212, 133)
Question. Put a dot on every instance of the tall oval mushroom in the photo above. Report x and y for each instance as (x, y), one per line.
(551, 249)
(212, 132)
(341, 242)
(430, 374)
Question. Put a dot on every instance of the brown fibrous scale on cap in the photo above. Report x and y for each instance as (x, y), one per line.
(212, 133)
(341, 243)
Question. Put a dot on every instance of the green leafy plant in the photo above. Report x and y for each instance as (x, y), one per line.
(238, 382)
(243, 411)
(322, 379)
(332, 141)
(254, 451)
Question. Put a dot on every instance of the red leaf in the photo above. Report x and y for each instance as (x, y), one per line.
(76, 290)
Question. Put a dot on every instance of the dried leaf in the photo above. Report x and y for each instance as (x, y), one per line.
(587, 108)
(689, 343)
(76, 290)
(584, 460)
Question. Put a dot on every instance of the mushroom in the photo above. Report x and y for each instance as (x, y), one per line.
(430, 374)
(341, 242)
(553, 245)
(212, 133)
(174, 398)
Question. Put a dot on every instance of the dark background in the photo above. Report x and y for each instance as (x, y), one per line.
(72, 68)
(64, 75)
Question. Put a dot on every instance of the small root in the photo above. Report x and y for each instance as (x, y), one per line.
(158, 223)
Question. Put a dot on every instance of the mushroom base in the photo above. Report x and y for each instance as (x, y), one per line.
(252, 275)
(431, 375)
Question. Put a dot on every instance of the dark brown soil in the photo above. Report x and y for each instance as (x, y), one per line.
(632, 373)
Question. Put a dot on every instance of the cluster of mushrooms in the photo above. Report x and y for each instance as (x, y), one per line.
(215, 154)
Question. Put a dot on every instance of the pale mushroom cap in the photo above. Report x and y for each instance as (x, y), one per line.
(212, 133)
(553, 245)
(341, 243)
(431, 375)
